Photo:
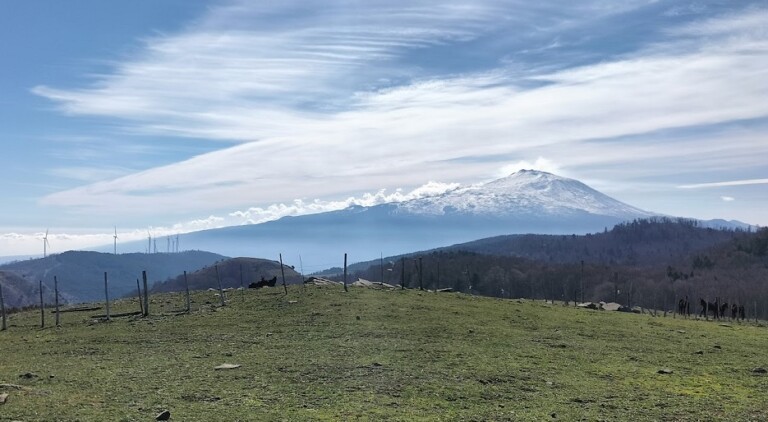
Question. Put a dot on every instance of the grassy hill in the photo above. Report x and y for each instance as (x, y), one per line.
(321, 354)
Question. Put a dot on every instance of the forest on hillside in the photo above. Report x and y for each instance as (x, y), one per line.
(648, 263)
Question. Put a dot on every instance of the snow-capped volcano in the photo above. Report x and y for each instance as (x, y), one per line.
(525, 202)
(524, 193)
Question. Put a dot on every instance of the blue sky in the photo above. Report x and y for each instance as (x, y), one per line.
(178, 115)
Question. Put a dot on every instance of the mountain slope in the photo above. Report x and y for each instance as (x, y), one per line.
(81, 274)
(525, 202)
(529, 193)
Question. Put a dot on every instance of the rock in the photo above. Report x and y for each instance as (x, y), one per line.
(377, 364)
(553, 415)
(293, 302)
(699, 352)
(163, 416)
(717, 346)
(227, 366)
(760, 370)
(3, 398)
(664, 371)
(681, 331)
(29, 376)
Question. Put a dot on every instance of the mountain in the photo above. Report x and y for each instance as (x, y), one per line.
(81, 274)
(526, 195)
(229, 271)
(525, 202)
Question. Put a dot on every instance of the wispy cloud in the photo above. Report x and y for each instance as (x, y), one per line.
(728, 183)
(727, 198)
(336, 101)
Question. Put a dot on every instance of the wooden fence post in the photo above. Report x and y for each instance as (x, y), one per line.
(141, 301)
(186, 286)
(221, 291)
(56, 300)
(242, 290)
(421, 274)
(282, 272)
(42, 306)
(4, 326)
(146, 293)
(106, 293)
(345, 273)
(381, 264)
(402, 274)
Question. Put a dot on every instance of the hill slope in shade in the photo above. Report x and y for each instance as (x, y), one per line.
(229, 271)
(19, 292)
(81, 274)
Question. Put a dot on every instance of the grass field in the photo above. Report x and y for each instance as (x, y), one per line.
(322, 354)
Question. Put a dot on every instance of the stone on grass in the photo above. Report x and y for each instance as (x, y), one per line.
(760, 370)
(3, 398)
(227, 366)
(664, 371)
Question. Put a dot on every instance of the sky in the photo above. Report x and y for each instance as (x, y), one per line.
(179, 115)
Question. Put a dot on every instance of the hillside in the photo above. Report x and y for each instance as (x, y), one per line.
(641, 242)
(19, 292)
(321, 354)
(81, 274)
(253, 270)
(670, 260)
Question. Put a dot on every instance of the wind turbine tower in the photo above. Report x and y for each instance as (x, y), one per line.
(149, 242)
(115, 238)
(45, 244)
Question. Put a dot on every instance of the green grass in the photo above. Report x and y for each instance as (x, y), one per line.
(409, 356)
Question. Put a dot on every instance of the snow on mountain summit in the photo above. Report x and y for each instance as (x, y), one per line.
(526, 192)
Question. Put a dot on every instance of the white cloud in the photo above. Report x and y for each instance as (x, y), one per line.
(304, 98)
(727, 198)
(728, 183)
(541, 164)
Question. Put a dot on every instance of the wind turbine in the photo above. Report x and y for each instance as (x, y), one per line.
(45, 244)
(149, 242)
(115, 238)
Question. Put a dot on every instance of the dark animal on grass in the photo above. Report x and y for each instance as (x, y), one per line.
(709, 307)
(683, 307)
(263, 283)
(724, 310)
